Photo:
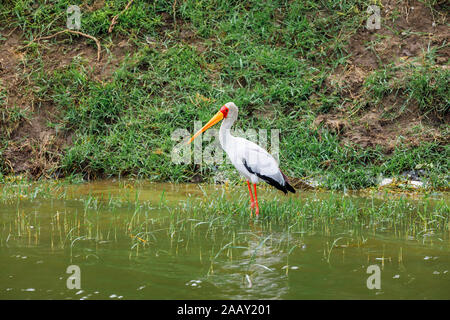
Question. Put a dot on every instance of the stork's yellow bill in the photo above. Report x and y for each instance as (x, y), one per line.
(222, 113)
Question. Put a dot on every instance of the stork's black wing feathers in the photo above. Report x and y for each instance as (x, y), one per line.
(287, 187)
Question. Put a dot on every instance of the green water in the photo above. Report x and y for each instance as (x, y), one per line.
(129, 243)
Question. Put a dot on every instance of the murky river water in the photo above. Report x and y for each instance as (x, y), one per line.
(137, 249)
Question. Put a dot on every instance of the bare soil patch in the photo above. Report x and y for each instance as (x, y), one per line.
(31, 146)
(408, 29)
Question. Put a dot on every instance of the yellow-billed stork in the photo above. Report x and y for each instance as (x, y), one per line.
(252, 161)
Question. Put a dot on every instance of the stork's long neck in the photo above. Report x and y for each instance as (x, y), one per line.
(225, 137)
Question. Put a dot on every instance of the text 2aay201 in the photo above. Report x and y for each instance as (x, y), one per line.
(246, 309)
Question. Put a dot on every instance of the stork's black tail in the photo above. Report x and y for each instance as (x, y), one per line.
(285, 188)
(289, 187)
(286, 183)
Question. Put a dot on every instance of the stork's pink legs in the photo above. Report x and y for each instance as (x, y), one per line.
(254, 202)
(251, 198)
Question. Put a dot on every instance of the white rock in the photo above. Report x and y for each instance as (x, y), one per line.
(416, 184)
(386, 181)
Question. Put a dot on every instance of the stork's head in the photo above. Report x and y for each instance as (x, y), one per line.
(231, 110)
(228, 110)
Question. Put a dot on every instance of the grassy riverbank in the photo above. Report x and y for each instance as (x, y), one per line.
(352, 105)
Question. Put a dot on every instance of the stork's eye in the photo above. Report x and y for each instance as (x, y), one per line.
(224, 110)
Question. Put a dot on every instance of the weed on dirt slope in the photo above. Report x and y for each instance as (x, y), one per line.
(353, 105)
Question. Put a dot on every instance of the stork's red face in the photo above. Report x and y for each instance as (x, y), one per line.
(224, 110)
(223, 113)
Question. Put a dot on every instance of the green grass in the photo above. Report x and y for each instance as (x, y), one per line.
(106, 216)
(271, 58)
(424, 84)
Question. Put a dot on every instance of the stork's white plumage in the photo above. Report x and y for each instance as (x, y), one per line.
(252, 161)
